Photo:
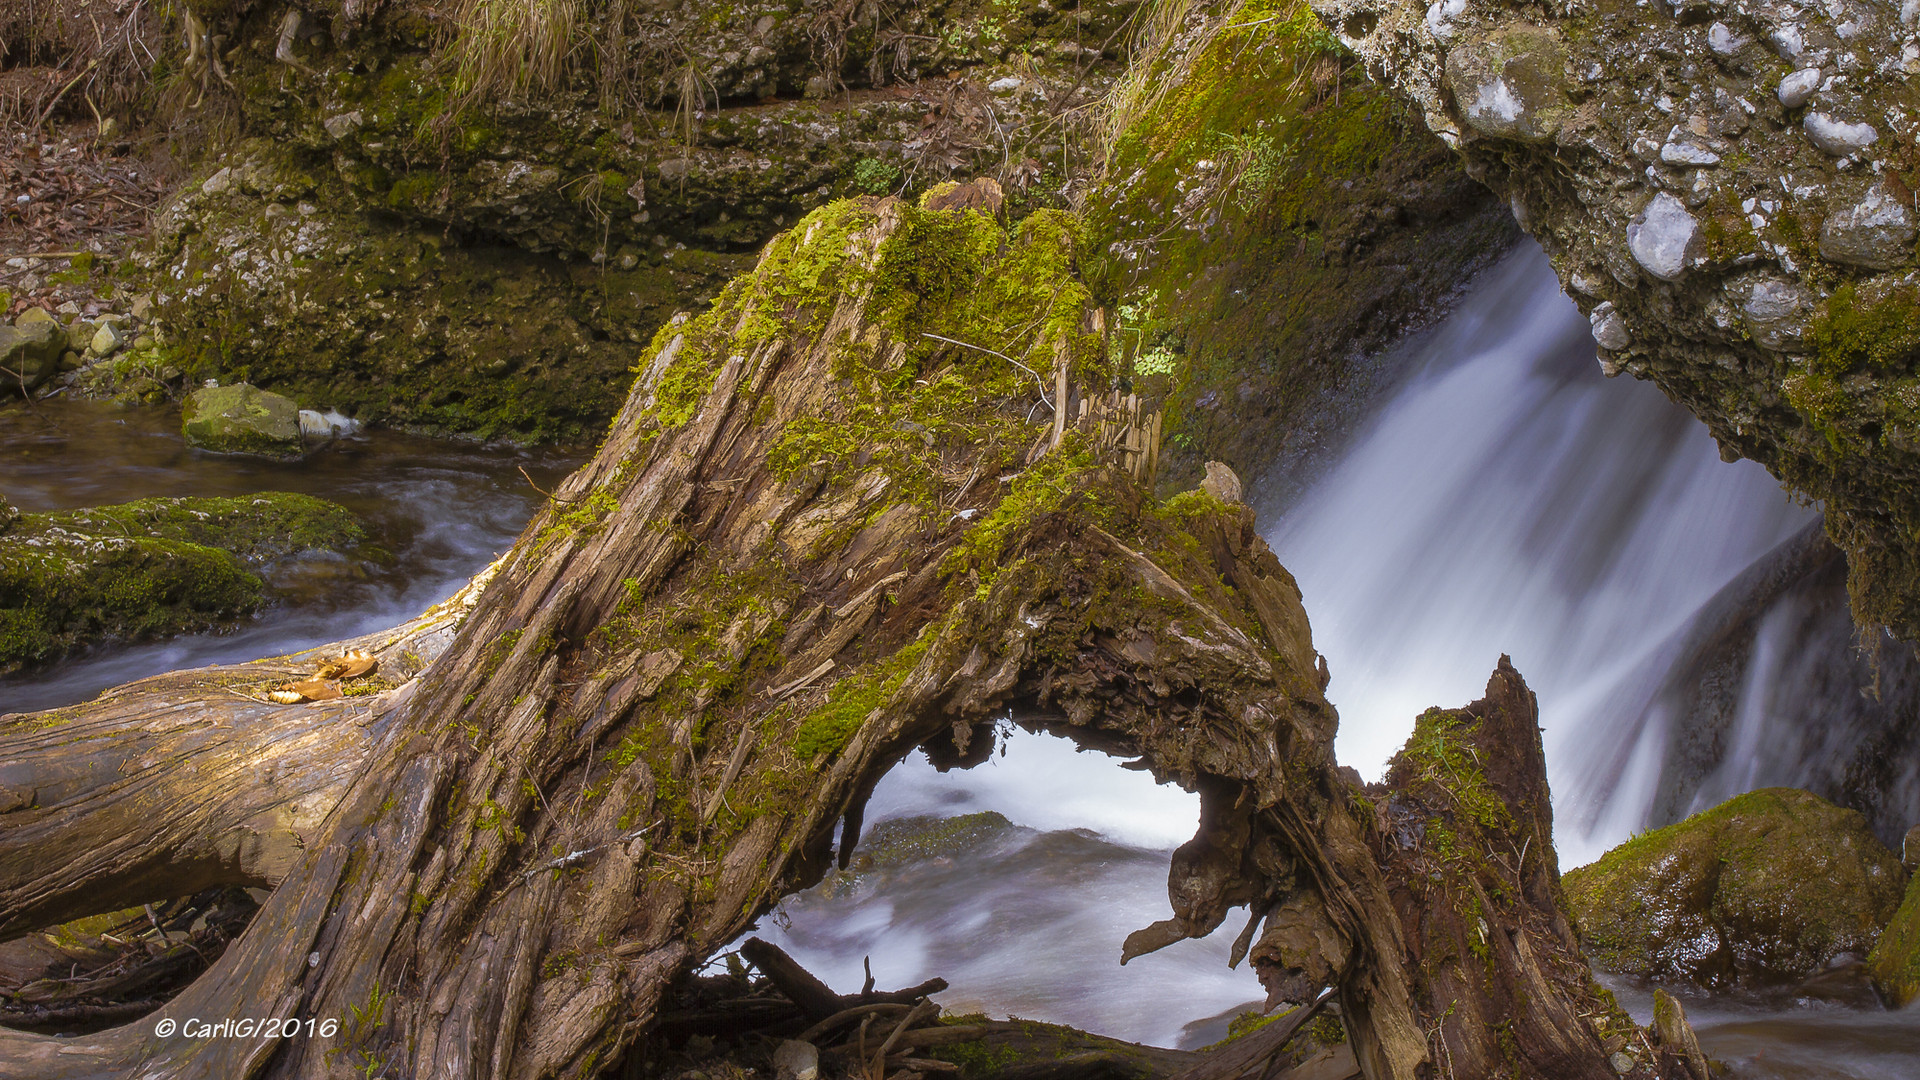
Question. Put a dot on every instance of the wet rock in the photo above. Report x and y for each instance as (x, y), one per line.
(242, 419)
(30, 353)
(1659, 236)
(1510, 84)
(1876, 232)
(1762, 890)
(1894, 963)
(1838, 137)
(1796, 89)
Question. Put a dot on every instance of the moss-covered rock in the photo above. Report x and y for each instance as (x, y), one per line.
(1895, 961)
(29, 353)
(1267, 216)
(149, 569)
(242, 419)
(1764, 889)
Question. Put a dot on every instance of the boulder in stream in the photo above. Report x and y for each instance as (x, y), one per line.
(242, 419)
(1895, 962)
(149, 569)
(1768, 888)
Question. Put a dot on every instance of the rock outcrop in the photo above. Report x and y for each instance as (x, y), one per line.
(148, 569)
(386, 242)
(1726, 189)
(1765, 889)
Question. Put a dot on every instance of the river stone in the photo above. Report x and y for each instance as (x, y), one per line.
(1763, 890)
(1722, 40)
(108, 339)
(1510, 84)
(1838, 137)
(1797, 88)
(1876, 232)
(796, 1060)
(242, 419)
(1659, 236)
(1774, 311)
(30, 352)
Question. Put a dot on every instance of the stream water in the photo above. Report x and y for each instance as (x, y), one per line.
(1501, 497)
(441, 510)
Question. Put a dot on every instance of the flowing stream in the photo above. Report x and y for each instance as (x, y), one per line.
(439, 510)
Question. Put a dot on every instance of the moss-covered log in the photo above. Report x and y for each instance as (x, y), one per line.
(833, 522)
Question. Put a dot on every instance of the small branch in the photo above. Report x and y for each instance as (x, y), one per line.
(1038, 381)
(544, 491)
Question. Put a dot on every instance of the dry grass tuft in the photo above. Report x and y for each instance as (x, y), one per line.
(512, 48)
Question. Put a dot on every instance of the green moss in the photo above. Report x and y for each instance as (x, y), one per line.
(1761, 889)
(1895, 961)
(257, 528)
(1852, 331)
(831, 726)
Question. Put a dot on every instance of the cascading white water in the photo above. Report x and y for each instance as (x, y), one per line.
(1510, 499)
(1505, 498)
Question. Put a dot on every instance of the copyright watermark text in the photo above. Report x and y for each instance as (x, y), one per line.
(265, 1027)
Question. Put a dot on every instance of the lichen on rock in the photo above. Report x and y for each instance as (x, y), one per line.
(1763, 890)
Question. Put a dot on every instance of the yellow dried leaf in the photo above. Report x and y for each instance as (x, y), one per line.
(285, 697)
(316, 690)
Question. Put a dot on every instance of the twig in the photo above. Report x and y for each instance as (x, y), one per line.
(544, 491)
(993, 352)
(51, 105)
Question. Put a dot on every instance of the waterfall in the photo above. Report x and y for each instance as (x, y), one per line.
(1508, 498)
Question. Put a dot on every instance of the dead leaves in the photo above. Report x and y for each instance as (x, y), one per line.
(324, 683)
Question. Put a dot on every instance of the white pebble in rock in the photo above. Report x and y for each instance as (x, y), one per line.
(1658, 236)
(1685, 153)
(1797, 88)
(1622, 1063)
(1609, 329)
(1876, 232)
(1722, 40)
(1838, 137)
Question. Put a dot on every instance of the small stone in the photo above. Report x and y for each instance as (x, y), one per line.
(108, 339)
(1221, 483)
(1622, 1063)
(1787, 41)
(1005, 85)
(219, 183)
(1609, 328)
(1877, 232)
(1838, 137)
(796, 1060)
(343, 125)
(1773, 310)
(1659, 236)
(1685, 153)
(80, 335)
(34, 315)
(1722, 40)
(1797, 88)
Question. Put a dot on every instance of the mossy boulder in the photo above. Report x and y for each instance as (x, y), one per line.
(1765, 889)
(1895, 961)
(242, 419)
(149, 569)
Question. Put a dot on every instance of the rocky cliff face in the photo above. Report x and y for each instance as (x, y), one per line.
(1726, 188)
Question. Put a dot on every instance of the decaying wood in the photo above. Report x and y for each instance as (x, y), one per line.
(816, 998)
(629, 751)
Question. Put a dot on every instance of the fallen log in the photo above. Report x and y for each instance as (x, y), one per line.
(629, 750)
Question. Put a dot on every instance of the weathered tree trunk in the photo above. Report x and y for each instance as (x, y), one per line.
(821, 533)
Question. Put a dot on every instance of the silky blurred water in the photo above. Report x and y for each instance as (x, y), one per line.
(440, 510)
